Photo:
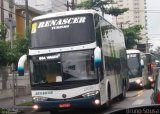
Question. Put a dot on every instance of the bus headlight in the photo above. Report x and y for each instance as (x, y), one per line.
(141, 84)
(38, 99)
(92, 93)
(35, 107)
(138, 81)
(97, 101)
(150, 79)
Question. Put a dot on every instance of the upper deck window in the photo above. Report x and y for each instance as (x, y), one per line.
(63, 31)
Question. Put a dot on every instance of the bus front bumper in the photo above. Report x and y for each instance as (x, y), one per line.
(86, 102)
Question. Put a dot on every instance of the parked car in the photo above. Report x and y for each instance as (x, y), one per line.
(155, 96)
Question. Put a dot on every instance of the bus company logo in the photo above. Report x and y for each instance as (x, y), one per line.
(64, 95)
(61, 23)
(50, 57)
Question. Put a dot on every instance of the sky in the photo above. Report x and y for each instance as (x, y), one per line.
(153, 18)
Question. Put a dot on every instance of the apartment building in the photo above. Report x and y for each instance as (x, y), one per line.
(6, 10)
(20, 15)
(134, 16)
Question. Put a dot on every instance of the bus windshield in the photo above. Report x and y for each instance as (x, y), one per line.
(62, 67)
(133, 64)
(63, 31)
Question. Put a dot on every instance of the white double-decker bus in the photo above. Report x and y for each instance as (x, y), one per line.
(137, 69)
(77, 59)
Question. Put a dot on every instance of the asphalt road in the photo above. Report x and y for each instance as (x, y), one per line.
(133, 99)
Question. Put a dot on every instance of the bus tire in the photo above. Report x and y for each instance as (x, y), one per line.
(123, 95)
(109, 103)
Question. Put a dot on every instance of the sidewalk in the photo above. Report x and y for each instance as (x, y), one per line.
(8, 102)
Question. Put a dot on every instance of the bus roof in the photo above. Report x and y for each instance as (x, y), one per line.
(133, 51)
(59, 14)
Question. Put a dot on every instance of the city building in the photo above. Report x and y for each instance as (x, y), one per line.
(42, 5)
(34, 8)
(7, 11)
(134, 16)
(21, 18)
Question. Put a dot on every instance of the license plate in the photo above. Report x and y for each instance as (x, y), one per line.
(64, 105)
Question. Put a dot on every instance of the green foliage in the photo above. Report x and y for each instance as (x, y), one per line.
(20, 47)
(26, 104)
(3, 53)
(85, 5)
(3, 31)
(132, 36)
(10, 55)
(116, 11)
(88, 4)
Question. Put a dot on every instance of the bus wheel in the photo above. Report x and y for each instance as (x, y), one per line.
(123, 95)
(108, 104)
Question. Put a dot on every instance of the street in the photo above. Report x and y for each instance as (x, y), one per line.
(133, 99)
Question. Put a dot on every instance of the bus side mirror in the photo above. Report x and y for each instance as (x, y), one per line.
(142, 63)
(21, 65)
(97, 57)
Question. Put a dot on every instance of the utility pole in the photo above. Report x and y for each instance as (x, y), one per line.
(11, 24)
(147, 45)
(27, 19)
(2, 12)
(67, 5)
(13, 75)
(72, 5)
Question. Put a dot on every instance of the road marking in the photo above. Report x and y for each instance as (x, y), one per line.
(137, 102)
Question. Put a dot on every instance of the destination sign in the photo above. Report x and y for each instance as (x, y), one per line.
(49, 57)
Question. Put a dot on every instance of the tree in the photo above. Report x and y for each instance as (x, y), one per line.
(102, 6)
(132, 36)
(116, 11)
(3, 31)
(10, 55)
(3, 63)
(3, 55)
